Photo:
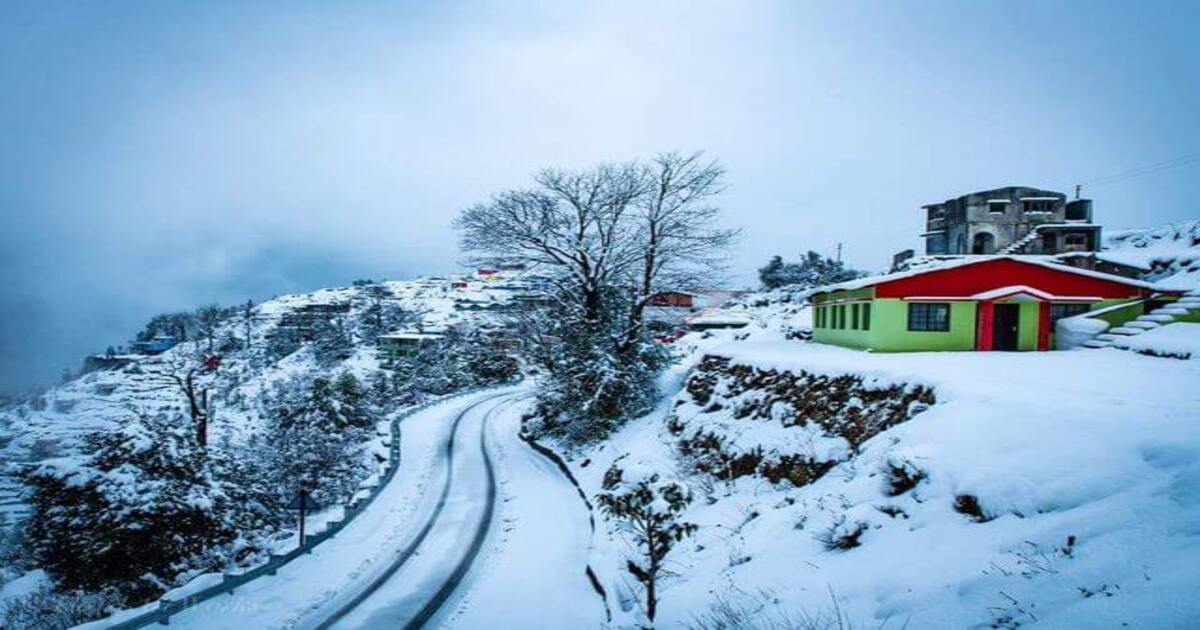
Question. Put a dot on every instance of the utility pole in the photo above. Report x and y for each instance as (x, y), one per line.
(1078, 188)
(248, 314)
(839, 252)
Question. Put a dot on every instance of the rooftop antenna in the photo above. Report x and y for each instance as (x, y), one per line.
(1078, 187)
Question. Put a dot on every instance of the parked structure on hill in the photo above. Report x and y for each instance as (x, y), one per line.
(1010, 220)
(972, 303)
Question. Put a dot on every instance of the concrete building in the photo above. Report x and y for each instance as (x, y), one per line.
(1010, 220)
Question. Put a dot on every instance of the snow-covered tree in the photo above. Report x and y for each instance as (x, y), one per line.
(609, 237)
(382, 314)
(647, 508)
(591, 384)
(209, 318)
(283, 341)
(813, 270)
(137, 510)
(332, 342)
(316, 433)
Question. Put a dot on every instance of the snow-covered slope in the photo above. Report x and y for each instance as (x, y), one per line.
(1170, 253)
(1058, 488)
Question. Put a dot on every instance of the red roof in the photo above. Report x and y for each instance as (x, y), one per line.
(967, 279)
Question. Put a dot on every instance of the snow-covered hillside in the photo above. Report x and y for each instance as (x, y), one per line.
(1060, 488)
(1170, 253)
(53, 422)
(121, 385)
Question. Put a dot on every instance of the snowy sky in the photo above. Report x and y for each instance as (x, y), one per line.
(159, 155)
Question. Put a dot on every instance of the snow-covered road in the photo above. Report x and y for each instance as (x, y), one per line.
(535, 575)
(475, 530)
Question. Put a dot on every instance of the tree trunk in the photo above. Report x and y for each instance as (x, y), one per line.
(202, 421)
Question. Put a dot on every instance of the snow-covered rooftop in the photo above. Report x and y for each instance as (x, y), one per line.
(1042, 261)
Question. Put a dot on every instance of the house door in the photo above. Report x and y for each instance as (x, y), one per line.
(1004, 328)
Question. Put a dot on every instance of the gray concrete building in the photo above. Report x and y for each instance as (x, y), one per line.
(1010, 220)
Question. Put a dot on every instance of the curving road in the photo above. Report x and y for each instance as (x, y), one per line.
(476, 530)
(417, 583)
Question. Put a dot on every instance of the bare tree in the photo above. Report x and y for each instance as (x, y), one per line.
(629, 226)
(680, 240)
(576, 222)
(209, 318)
(183, 373)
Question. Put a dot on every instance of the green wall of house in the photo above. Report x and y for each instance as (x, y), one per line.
(889, 324)
(890, 333)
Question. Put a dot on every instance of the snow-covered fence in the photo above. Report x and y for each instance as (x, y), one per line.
(210, 586)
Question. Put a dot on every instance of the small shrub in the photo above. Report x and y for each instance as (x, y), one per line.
(842, 537)
(893, 511)
(968, 505)
(902, 477)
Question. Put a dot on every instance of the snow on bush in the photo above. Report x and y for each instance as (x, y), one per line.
(140, 508)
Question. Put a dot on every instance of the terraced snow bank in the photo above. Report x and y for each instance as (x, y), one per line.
(1180, 340)
(950, 490)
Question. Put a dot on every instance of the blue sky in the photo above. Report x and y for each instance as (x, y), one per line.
(159, 155)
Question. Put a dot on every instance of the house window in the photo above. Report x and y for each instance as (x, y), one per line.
(841, 316)
(854, 316)
(997, 207)
(821, 311)
(1059, 311)
(929, 316)
(1038, 206)
(866, 316)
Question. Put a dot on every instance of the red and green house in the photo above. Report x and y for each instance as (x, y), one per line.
(976, 303)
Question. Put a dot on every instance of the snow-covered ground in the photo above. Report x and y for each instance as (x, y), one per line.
(1180, 340)
(1086, 465)
(534, 576)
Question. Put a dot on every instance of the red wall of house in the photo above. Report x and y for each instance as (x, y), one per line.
(993, 274)
(668, 298)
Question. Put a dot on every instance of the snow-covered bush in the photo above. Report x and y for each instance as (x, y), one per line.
(47, 609)
(902, 476)
(813, 270)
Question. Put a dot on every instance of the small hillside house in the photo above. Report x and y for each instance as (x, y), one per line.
(395, 345)
(973, 303)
